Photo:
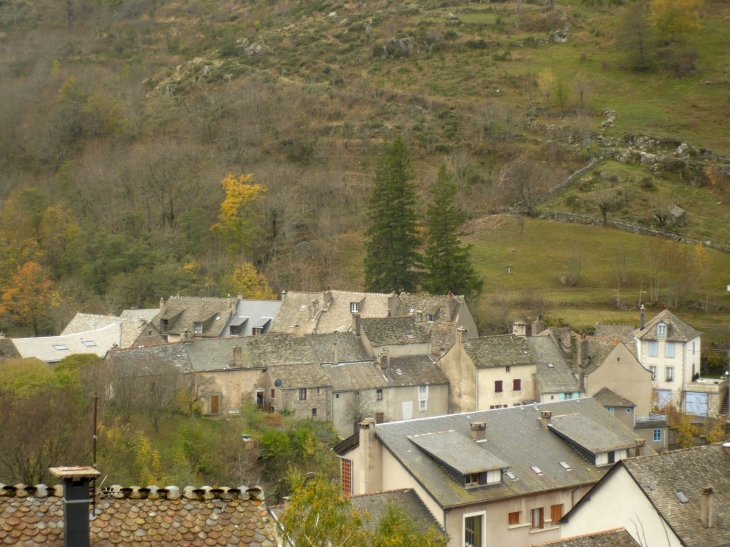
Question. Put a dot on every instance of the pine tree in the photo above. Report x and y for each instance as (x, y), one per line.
(447, 261)
(392, 261)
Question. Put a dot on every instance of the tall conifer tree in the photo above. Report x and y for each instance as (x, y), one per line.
(447, 261)
(392, 261)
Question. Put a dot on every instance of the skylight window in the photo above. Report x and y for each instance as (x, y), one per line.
(303, 307)
(550, 365)
(511, 475)
(681, 497)
(565, 466)
(89, 343)
(60, 347)
(536, 469)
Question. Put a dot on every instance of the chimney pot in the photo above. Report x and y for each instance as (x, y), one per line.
(537, 326)
(545, 417)
(385, 359)
(283, 295)
(461, 336)
(519, 328)
(707, 509)
(640, 447)
(162, 304)
(478, 431)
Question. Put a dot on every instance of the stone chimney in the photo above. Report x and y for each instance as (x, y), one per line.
(392, 306)
(519, 328)
(328, 298)
(385, 359)
(356, 324)
(478, 431)
(2, 335)
(240, 297)
(370, 473)
(640, 447)
(76, 500)
(545, 417)
(186, 336)
(641, 318)
(707, 509)
(538, 326)
(315, 306)
(450, 306)
(461, 336)
(335, 357)
(237, 357)
(283, 295)
(419, 316)
(582, 355)
(229, 301)
(162, 304)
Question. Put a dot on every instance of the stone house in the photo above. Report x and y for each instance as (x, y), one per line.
(497, 477)
(134, 331)
(396, 336)
(654, 430)
(676, 498)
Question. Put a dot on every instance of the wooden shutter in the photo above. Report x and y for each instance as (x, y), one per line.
(215, 404)
(516, 385)
(514, 518)
(498, 386)
(346, 472)
(556, 513)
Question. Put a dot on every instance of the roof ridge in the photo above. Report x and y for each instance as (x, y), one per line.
(591, 535)
(382, 492)
(136, 492)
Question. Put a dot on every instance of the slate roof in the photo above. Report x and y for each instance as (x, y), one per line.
(589, 434)
(8, 349)
(677, 330)
(609, 538)
(300, 376)
(458, 452)
(436, 305)
(392, 331)
(557, 378)
(141, 313)
(31, 516)
(598, 351)
(43, 347)
(625, 333)
(651, 421)
(407, 499)
(608, 398)
(182, 312)
(131, 328)
(514, 435)
(250, 314)
(337, 317)
(293, 316)
(499, 351)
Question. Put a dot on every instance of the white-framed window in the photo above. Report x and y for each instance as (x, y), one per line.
(423, 405)
(198, 328)
(537, 518)
(653, 372)
(669, 350)
(657, 435)
(423, 392)
(494, 477)
(354, 307)
(670, 374)
(653, 348)
(475, 532)
(429, 317)
(661, 330)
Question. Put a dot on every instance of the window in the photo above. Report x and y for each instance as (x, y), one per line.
(498, 386)
(429, 318)
(89, 343)
(537, 518)
(657, 435)
(257, 331)
(474, 531)
(669, 350)
(198, 328)
(379, 417)
(423, 392)
(471, 479)
(346, 474)
(234, 330)
(319, 391)
(516, 385)
(610, 409)
(314, 413)
(566, 466)
(653, 348)
(354, 307)
(273, 393)
(653, 372)
(514, 518)
(536, 469)
(303, 394)
(60, 347)
(670, 374)
(379, 394)
(612, 457)
(661, 330)
(149, 333)
(422, 405)
(215, 404)
(628, 411)
(556, 513)
(164, 325)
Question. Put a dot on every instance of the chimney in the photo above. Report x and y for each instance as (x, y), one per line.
(392, 308)
(2, 335)
(335, 358)
(419, 316)
(641, 318)
(640, 447)
(237, 356)
(370, 473)
(581, 378)
(356, 324)
(707, 509)
(461, 336)
(519, 328)
(385, 359)
(162, 304)
(283, 295)
(328, 298)
(76, 500)
(186, 336)
(240, 297)
(478, 431)
(582, 350)
(229, 301)
(545, 417)
(537, 326)
(726, 447)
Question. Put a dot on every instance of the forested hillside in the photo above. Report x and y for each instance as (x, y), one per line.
(119, 119)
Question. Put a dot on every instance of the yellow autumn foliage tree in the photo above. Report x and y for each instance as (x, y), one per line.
(672, 17)
(29, 296)
(238, 223)
(249, 283)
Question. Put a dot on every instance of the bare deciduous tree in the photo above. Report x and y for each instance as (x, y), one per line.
(574, 266)
(524, 181)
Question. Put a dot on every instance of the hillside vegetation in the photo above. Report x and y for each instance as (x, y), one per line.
(120, 118)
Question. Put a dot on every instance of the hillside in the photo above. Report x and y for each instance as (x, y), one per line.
(120, 118)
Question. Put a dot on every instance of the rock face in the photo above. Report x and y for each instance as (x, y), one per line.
(610, 117)
(677, 215)
(252, 48)
(560, 36)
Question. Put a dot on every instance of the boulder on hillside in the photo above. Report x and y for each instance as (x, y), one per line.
(677, 215)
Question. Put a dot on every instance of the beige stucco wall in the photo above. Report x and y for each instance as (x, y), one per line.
(619, 503)
(461, 373)
(686, 356)
(624, 415)
(648, 435)
(487, 376)
(622, 373)
(232, 385)
(465, 319)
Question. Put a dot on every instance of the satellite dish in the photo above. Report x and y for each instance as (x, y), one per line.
(277, 382)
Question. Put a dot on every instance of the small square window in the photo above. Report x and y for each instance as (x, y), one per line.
(354, 307)
(379, 394)
(514, 518)
(89, 343)
(337, 395)
(422, 405)
(536, 469)
(556, 513)
(303, 394)
(429, 318)
(314, 412)
(257, 331)
(661, 330)
(628, 411)
(60, 347)
(566, 466)
(471, 479)
(319, 391)
(423, 392)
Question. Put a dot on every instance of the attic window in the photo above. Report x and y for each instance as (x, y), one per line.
(410, 336)
(681, 497)
(198, 328)
(511, 475)
(89, 343)
(565, 466)
(164, 325)
(661, 330)
(472, 479)
(536, 469)
(354, 307)
(429, 318)
(60, 347)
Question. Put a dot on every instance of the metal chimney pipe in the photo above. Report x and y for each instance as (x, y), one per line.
(76, 501)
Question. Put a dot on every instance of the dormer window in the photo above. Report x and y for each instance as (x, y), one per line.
(354, 307)
(198, 328)
(661, 330)
(473, 479)
(164, 325)
(429, 317)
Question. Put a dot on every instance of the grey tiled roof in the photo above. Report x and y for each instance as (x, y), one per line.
(653, 420)
(598, 350)
(608, 398)
(609, 538)
(407, 499)
(688, 471)
(625, 333)
(300, 376)
(131, 328)
(514, 435)
(458, 452)
(553, 374)
(390, 331)
(436, 305)
(43, 347)
(294, 315)
(337, 317)
(499, 351)
(250, 314)
(142, 313)
(403, 371)
(589, 434)
(164, 354)
(677, 330)
(182, 312)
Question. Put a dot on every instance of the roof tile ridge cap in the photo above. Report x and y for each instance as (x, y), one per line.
(27, 491)
(381, 492)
